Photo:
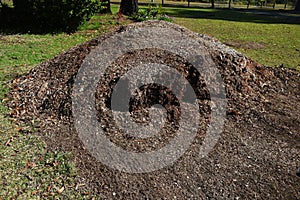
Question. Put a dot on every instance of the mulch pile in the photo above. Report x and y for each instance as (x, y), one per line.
(257, 155)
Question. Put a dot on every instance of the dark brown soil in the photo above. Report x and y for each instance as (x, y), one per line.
(257, 155)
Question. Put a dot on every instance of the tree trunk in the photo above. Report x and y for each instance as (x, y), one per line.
(212, 3)
(248, 4)
(106, 5)
(297, 7)
(230, 4)
(128, 7)
(285, 4)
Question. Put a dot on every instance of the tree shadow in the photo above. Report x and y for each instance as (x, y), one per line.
(13, 23)
(238, 15)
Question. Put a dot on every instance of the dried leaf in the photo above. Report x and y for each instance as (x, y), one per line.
(30, 165)
(55, 163)
(5, 100)
(8, 142)
(61, 190)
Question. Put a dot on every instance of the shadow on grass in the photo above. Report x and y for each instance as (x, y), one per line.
(239, 15)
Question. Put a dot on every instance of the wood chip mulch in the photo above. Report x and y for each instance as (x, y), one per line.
(257, 155)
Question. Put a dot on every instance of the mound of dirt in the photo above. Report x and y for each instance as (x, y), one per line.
(257, 155)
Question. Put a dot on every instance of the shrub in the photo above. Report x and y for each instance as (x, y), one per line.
(150, 13)
(5, 11)
(54, 15)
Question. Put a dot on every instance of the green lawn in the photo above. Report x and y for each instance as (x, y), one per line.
(267, 39)
(28, 171)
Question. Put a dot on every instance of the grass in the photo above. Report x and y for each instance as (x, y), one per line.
(273, 40)
(207, 4)
(28, 171)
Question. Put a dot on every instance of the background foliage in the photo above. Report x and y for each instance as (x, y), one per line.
(150, 13)
(49, 15)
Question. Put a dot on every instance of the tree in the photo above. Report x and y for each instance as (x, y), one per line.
(53, 15)
(105, 6)
(297, 7)
(128, 7)
(230, 4)
(285, 3)
(248, 3)
(212, 3)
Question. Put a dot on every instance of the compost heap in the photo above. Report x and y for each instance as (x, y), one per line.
(257, 155)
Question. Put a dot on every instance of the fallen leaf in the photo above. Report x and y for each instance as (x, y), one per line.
(9, 141)
(30, 165)
(19, 129)
(5, 100)
(55, 163)
(61, 190)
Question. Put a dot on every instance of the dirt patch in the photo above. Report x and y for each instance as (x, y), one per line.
(257, 155)
(245, 45)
